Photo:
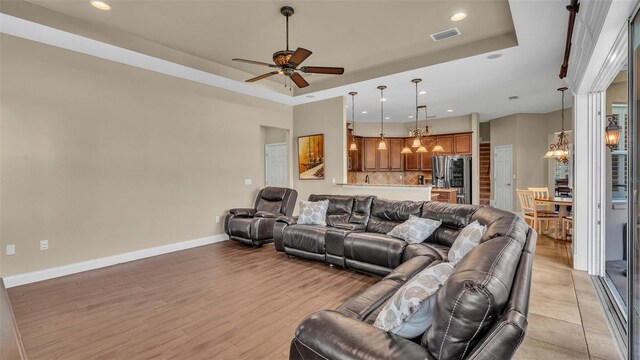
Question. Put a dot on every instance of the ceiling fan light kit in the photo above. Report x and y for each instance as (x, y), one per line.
(288, 61)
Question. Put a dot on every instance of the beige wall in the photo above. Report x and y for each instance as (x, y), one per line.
(101, 158)
(529, 136)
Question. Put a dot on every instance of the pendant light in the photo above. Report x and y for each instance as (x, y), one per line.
(437, 148)
(613, 131)
(560, 150)
(382, 145)
(353, 146)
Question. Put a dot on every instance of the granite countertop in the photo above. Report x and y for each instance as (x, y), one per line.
(388, 185)
(443, 189)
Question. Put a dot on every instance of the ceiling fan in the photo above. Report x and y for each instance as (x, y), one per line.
(287, 61)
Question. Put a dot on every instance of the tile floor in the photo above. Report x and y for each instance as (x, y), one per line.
(566, 320)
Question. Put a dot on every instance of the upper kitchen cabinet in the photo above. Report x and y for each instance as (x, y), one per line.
(396, 160)
(446, 141)
(411, 160)
(462, 144)
(355, 157)
(383, 160)
(370, 154)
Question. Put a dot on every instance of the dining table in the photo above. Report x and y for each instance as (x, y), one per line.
(563, 203)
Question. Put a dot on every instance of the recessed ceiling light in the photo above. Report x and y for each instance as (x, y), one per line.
(494, 56)
(383, 99)
(100, 5)
(364, 112)
(387, 118)
(422, 92)
(450, 110)
(458, 16)
(410, 116)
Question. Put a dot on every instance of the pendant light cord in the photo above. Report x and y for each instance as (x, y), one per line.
(562, 113)
(416, 109)
(381, 113)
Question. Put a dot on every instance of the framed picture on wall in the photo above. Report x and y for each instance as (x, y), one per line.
(311, 157)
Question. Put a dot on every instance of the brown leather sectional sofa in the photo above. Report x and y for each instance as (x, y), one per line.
(480, 313)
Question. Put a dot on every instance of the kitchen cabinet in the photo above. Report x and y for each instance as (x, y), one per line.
(396, 160)
(412, 160)
(446, 141)
(355, 157)
(462, 144)
(370, 157)
(383, 160)
(425, 159)
(445, 195)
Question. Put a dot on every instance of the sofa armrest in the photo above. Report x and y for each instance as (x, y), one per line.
(289, 220)
(278, 230)
(331, 335)
(352, 227)
(266, 214)
(243, 212)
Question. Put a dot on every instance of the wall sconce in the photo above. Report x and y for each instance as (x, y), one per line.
(612, 131)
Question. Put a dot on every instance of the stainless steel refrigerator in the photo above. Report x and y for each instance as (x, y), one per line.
(453, 171)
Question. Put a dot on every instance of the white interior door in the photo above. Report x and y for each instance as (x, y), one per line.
(276, 165)
(503, 177)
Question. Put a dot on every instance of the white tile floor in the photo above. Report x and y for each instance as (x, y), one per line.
(566, 320)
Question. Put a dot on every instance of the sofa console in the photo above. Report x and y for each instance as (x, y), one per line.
(480, 312)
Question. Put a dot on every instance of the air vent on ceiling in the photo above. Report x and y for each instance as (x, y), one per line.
(515, 97)
(445, 34)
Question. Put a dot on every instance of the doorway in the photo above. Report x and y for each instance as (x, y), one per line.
(276, 165)
(503, 177)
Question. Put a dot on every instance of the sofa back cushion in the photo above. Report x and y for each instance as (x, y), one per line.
(270, 199)
(454, 218)
(386, 214)
(361, 209)
(340, 207)
(476, 294)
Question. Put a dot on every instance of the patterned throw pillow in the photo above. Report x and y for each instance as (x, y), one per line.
(466, 241)
(313, 212)
(409, 312)
(415, 230)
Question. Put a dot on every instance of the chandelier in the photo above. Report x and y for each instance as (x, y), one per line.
(417, 132)
(560, 150)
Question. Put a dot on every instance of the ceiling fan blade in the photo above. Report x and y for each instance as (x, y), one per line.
(299, 56)
(322, 70)
(299, 80)
(254, 62)
(263, 76)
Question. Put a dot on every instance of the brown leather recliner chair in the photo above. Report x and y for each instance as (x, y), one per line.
(254, 226)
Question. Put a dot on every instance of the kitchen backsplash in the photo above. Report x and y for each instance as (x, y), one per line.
(388, 177)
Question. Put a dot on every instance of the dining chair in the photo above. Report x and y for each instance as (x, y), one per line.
(567, 227)
(531, 212)
(542, 192)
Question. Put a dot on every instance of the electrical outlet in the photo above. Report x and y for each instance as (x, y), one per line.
(44, 245)
(333, 180)
(217, 219)
(248, 181)
(11, 249)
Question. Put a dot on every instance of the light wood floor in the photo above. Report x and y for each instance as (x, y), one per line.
(227, 301)
(221, 301)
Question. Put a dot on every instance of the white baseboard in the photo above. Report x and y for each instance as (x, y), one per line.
(40, 275)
